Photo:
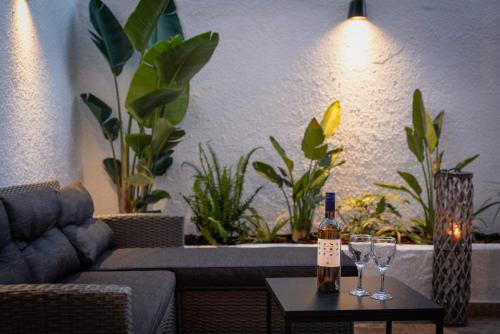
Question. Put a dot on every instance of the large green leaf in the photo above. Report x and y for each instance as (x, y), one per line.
(111, 129)
(422, 122)
(113, 167)
(161, 133)
(109, 36)
(174, 111)
(143, 21)
(155, 196)
(331, 119)
(267, 172)
(411, 181)
(146, 80)
(141, 179)
(168, 26)
(146, 104)
(282, 154)
(162, 164)
(418, 114)
(403, 189)
(438, 124)
(313, 138)
(463, 164)
(138, 142)
(181, 62)
(99, 109)
(415, 144)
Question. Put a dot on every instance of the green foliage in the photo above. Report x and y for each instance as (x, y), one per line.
(157, 98)
(423, 142)
(261, 230)
(375, 214)
(219, 209)
(109, 36)
(302, 194)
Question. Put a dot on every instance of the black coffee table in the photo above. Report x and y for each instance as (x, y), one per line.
(298, 301)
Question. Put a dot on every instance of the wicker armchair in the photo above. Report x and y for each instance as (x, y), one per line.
(65, 308)
(87, 308)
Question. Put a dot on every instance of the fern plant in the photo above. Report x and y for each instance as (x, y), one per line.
(220, 211)
(262, 232)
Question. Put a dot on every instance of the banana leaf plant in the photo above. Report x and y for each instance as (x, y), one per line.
(302, 194)
(143, 137)
(423, 141)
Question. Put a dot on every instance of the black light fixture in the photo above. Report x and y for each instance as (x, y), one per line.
(357, 9)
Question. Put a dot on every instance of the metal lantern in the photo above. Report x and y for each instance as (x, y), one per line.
(453, 245)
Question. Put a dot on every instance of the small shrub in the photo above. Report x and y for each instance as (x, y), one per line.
(219, 210)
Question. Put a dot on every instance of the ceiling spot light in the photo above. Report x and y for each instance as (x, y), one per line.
(357, 10)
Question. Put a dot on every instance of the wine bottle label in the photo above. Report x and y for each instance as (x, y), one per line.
(329, 252)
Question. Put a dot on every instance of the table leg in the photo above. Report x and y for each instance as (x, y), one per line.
(388, 327)
(268, 313)
(439, 326)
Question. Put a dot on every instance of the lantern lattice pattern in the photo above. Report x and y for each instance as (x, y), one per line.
(453, 245)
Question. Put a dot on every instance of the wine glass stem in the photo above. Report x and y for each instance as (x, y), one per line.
(360, 277)
(382, 280)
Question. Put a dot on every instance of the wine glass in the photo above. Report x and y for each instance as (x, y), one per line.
(383, 250)
(360, 247)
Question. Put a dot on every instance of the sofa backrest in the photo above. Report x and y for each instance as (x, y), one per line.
(47, 233)
(33, 217)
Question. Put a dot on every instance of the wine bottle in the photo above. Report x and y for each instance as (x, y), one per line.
(328, 270)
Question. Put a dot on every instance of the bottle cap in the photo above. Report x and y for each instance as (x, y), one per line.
(330, 202)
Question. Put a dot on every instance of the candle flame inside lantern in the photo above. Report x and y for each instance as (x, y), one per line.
(455, 231)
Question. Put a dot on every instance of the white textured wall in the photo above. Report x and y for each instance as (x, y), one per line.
(38, 122)
(280, 62)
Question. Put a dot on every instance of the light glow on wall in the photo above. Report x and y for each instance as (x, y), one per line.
(29, 71)
(355, 39)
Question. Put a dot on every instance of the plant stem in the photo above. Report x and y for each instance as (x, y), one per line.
(124, 189)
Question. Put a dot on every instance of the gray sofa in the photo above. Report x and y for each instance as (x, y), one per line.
(62, 271)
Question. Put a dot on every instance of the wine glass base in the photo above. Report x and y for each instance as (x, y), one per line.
(381, 296)
(359, 293)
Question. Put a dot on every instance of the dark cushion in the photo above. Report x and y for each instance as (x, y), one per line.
(221, 266)
(4, 227)
(151, 293)
(51, 257)
(13, 268)
(31, 214)
(90, 239)
(76, 205)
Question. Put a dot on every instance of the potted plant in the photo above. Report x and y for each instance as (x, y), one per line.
(157, 98)
(303, 193)
(423, 142)
(220, 212)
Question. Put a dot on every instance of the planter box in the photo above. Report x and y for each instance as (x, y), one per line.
(413, 266)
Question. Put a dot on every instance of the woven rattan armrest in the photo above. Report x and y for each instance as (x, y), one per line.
(145, 230)
(65, 308)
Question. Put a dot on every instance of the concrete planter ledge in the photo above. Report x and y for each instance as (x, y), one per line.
(413, 266)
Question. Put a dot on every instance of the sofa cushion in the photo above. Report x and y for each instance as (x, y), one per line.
(221, 266)
(13, 268)
(90, 239)
(51, 257)
(76, 205)
(151, 293)
(31, 214)
(4, 227)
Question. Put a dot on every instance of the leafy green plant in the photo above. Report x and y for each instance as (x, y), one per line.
(261, 230)
(423, 142)
(157, 98)
(219, 210)
(302, 194)
(374, 214)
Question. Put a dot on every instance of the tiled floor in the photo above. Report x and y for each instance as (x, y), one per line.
(475, 326)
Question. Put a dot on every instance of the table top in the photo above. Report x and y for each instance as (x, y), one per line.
(298, 296)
